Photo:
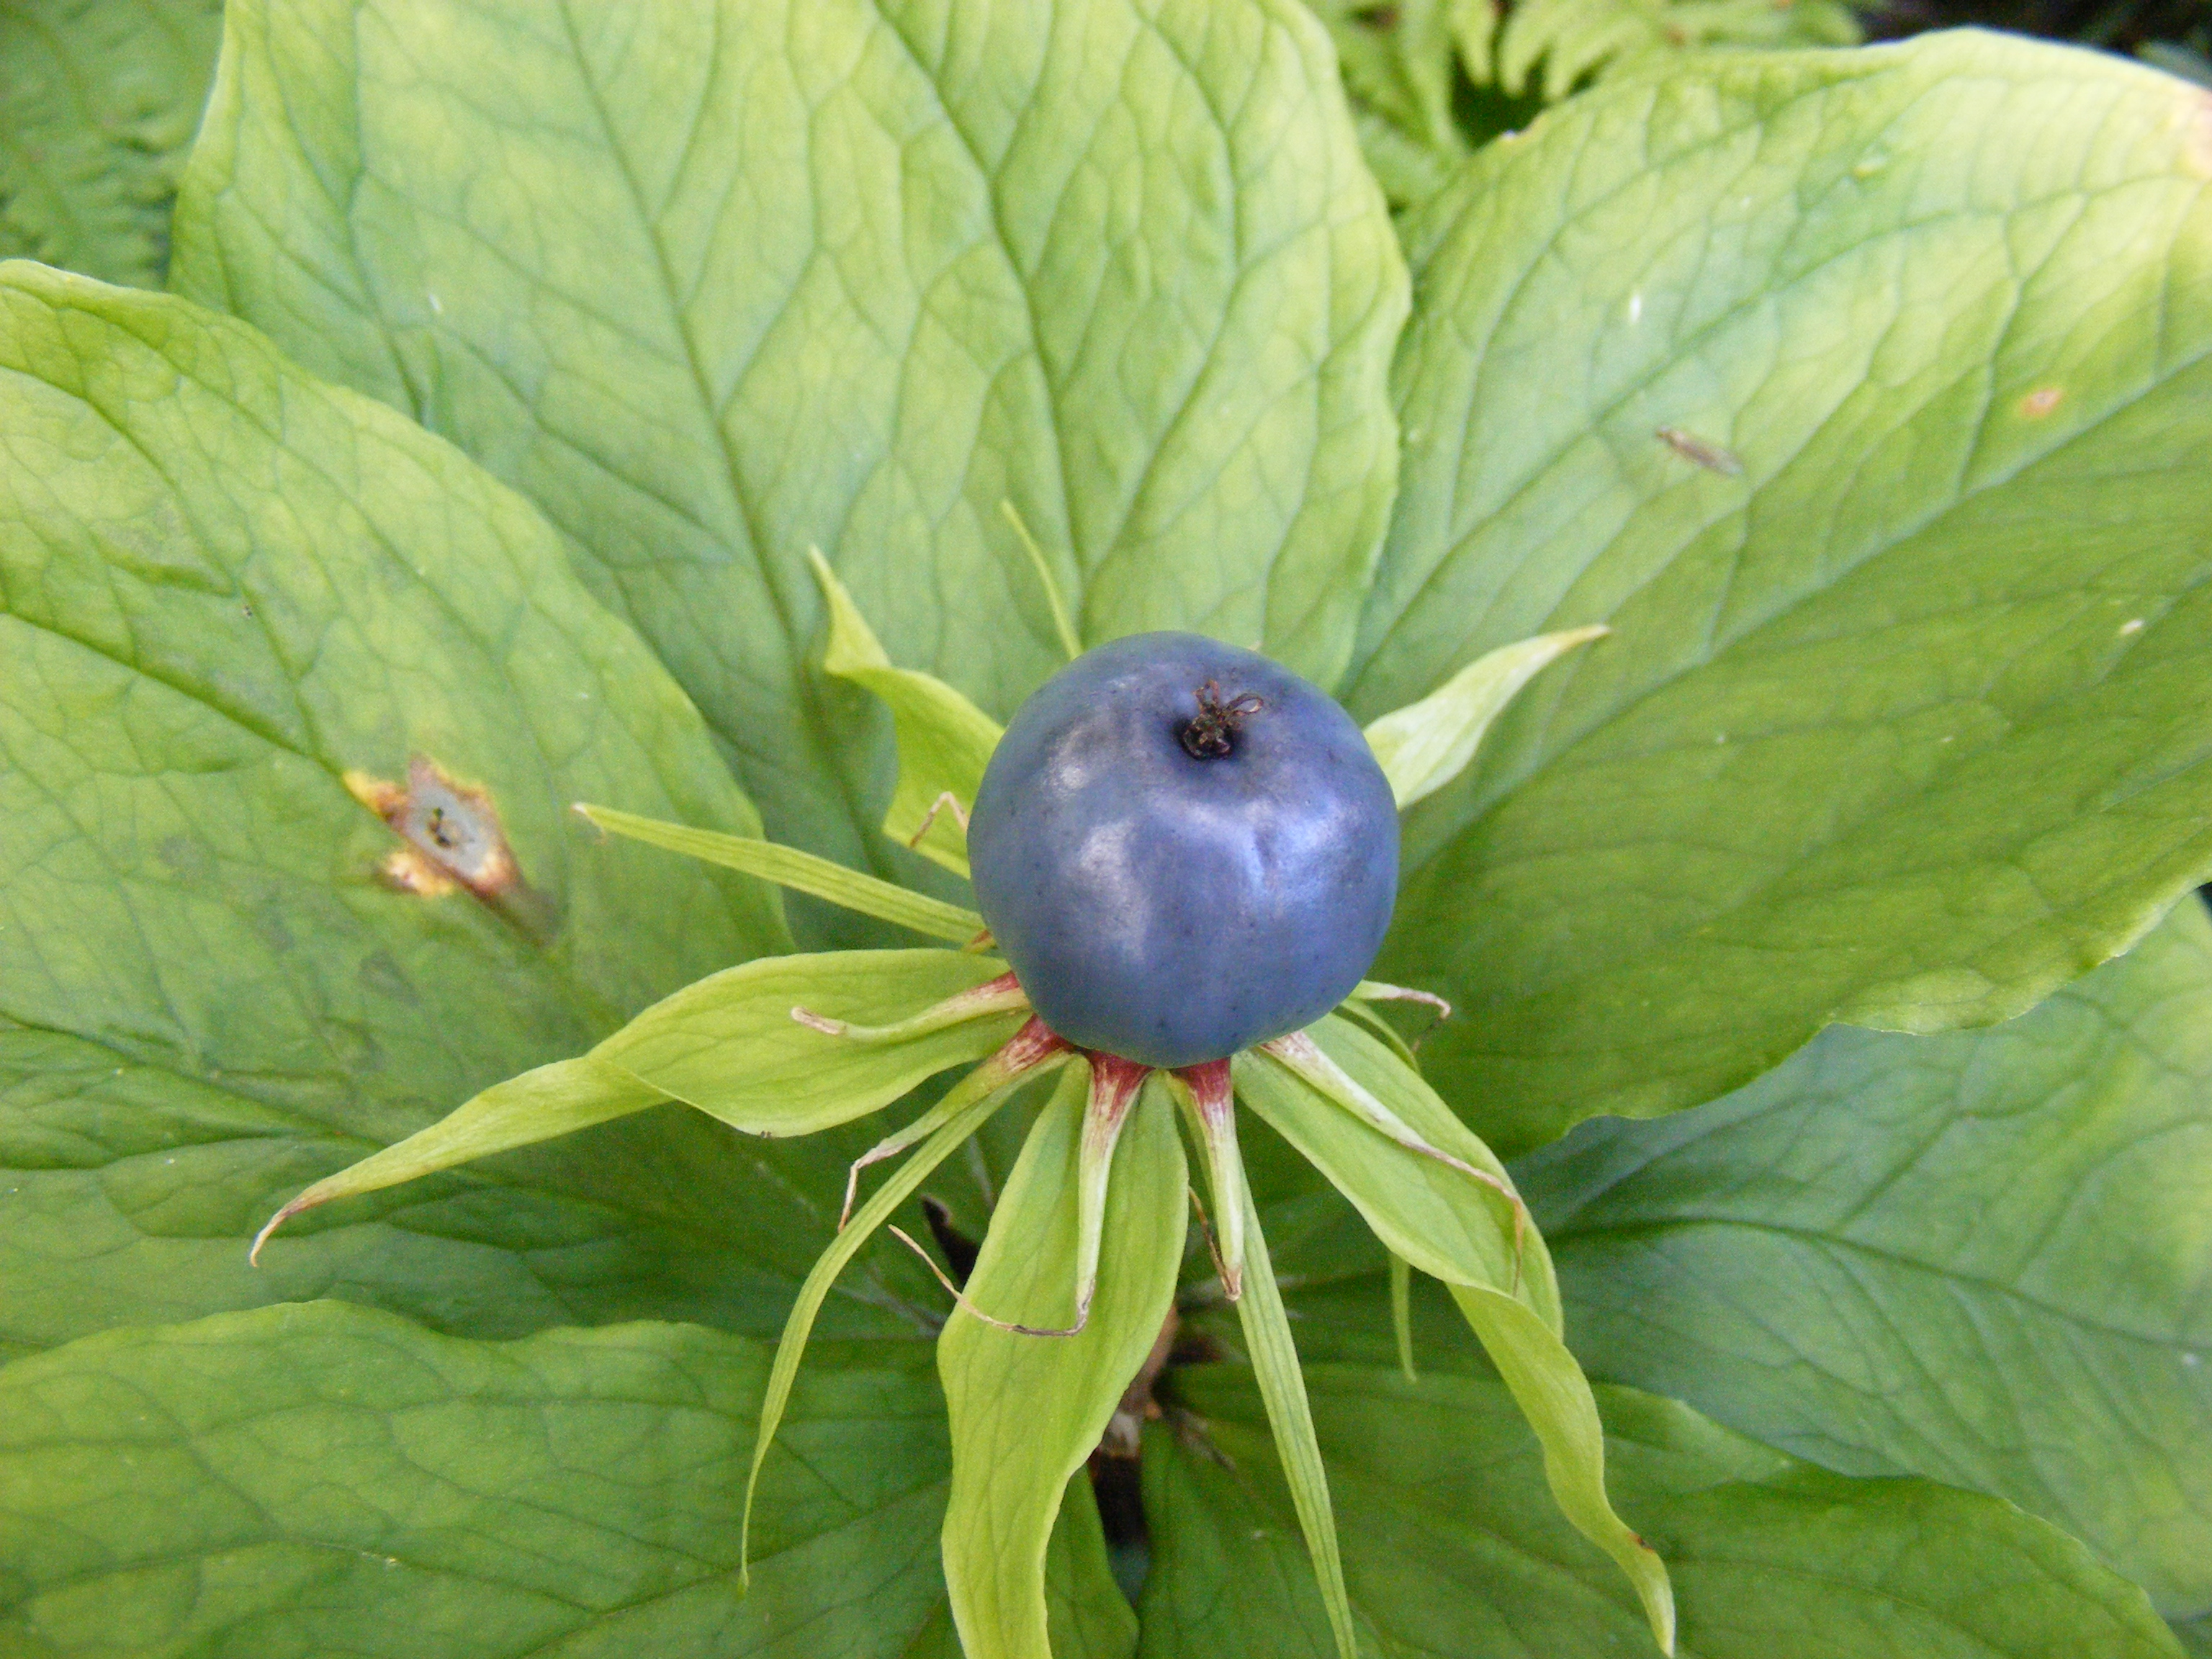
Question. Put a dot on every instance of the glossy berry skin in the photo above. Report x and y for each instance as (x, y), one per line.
(1172, 908)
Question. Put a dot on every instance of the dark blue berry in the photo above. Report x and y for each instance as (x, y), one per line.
(1183, 849)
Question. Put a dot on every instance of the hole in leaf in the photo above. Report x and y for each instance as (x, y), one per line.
(455, 841)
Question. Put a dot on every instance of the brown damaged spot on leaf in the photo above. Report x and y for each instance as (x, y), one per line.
(2040, 402)
(453, 832)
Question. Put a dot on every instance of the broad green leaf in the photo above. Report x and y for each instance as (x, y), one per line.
(1027, 1411)
(943, 741)
(801, 871)
(714, 282)
(1865, 396)
(2195, 1635)
(1450, 1552)
(298, 1482)
(731, 1044)
(101, 100)
(1425, 745)
(132, 1193)
(1979, 1257)
(230, 598)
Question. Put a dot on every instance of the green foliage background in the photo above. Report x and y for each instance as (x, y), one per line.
(517, 354)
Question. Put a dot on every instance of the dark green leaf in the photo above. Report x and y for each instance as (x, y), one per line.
(1979, 1257)
(309, 1481)
(1866, 396)
(715, 281)
(1451, 1550)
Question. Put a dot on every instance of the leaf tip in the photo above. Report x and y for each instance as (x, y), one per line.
(306, 1200)
(1654, 1589)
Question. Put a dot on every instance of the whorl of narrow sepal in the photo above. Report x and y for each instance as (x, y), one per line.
(1213, 1115)
(1114, 1085)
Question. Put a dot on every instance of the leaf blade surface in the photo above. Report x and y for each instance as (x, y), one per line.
(1860, 394)
(1451, 1550)
(1977, 1257)
(713, 284)
(299, 1481)
(238, 607)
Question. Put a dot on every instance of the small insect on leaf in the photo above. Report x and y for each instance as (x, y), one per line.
(1710, 456)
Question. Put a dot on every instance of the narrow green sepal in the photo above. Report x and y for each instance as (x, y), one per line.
(553, 1100)
(1205, 1095)
(1349, 1105)
(1063, 624)
(1027, 1411)
(958, 1115)
(802, 872)
(765, 1046)
(1402, 1314)
(1426, 1184)
(1283, 1390)
(1555, 1397)
(1425, 744)
(943, 741)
